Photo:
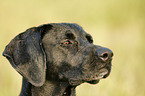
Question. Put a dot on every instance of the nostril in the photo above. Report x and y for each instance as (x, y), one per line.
(104, 56)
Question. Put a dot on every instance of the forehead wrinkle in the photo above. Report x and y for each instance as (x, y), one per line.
(70, 34)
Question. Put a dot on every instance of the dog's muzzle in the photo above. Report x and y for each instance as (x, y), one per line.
(103, 58)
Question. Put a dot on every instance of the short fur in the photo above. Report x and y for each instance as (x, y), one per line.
(55, 58)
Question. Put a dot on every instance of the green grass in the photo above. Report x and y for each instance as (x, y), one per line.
(116, 24)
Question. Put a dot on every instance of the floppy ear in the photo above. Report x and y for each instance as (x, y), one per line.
(26, 55)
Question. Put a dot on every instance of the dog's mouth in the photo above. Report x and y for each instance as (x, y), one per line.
(102, 75)
(92, 78)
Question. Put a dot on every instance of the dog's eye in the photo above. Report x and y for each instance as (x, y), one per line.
(67, 42)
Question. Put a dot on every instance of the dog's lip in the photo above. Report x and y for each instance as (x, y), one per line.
(96, 79)
(75, 82)
(92, 79)
(102, 74)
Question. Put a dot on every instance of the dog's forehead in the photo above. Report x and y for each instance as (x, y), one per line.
(63, 28)
(59, 31)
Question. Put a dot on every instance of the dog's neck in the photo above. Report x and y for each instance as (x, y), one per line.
(50, 88)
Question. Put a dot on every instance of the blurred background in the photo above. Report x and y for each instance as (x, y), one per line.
(116, 24)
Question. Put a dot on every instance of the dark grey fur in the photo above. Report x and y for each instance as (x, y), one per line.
(55, 58)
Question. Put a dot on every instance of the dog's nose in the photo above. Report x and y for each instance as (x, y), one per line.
(104, 54)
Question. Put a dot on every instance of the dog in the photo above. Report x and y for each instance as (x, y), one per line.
(55, 58)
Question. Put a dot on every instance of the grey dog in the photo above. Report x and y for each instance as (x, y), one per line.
(55, 58)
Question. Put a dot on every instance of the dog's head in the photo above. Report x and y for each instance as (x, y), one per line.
(59, 52)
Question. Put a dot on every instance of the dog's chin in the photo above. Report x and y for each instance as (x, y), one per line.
(93, 81)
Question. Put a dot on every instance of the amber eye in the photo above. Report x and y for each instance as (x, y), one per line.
(67, 42)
